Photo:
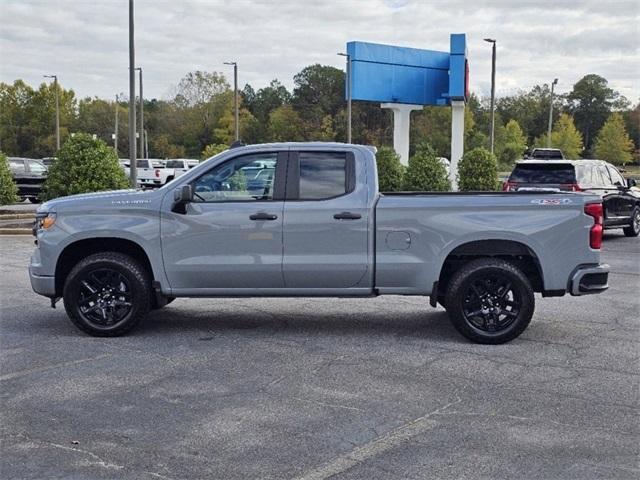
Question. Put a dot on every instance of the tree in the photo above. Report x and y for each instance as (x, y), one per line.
(27, 118)
(530, 109)
(285, 125)
(8, 188)
(478, 171)
(564, 136)
(84, 165)
(225, 130)
(162, 147)
(212, 150)
(513, 144)
(426, 172)
(318, 92)
(201, 100)
(590, 102)
(613, 143)
(390, 170)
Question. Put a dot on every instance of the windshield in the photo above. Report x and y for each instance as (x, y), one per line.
(543, 173)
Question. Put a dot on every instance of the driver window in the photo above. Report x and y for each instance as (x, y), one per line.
(243, 179)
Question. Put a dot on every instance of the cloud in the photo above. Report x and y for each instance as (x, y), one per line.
(86, 43)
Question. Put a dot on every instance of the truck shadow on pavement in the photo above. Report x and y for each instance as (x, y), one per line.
(178, 319)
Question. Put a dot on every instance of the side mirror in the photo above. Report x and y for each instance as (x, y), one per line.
(631, 182)
(184, 194)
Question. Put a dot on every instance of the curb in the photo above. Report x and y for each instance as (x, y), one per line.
(16, 216)
(15, 231)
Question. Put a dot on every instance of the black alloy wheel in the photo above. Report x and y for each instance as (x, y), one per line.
(107, 294)
(489, 300)
(104, 298)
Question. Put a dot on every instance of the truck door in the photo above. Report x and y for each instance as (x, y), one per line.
(624, 202)
(229, 237)
(326, 218)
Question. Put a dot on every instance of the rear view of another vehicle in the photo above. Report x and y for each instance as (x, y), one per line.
(29, 176)
(621, 203)
(547, 175)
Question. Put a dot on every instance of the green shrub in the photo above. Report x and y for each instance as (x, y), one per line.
(8, 188)
(84, 165)
(390, 170)
(213, 149)
(426, 172)
(478, 171)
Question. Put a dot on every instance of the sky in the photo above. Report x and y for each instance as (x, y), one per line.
(85, 42)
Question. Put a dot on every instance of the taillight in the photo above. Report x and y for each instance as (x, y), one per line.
(574, 187)
(509, 186)
(595, 234)
(158, 173)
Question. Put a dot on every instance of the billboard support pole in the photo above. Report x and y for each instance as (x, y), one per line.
(401, 128)
(457, 140)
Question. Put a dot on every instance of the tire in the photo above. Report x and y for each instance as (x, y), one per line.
(633, 230)
(107, 294)
(490, 301)
(34, 200)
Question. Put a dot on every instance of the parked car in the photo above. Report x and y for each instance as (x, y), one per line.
(546, 154)
(322, 230)
(29, 175)
(620, 199)
(152, 173)
(180, 166)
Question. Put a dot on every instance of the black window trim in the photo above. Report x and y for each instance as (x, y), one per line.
(278, 181)
(293, 175)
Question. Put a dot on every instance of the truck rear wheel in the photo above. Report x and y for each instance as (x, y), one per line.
(490, 301)
(107, 294)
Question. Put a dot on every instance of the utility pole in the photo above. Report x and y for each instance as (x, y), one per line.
(553, 84)
(493, 90)
(235, 94)
(142, 155)
(348, 94)
(115, 134)
(132, 103)
(55, 87)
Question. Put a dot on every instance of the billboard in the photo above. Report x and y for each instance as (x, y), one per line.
(391, 74)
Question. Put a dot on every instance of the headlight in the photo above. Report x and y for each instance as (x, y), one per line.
(44, 221)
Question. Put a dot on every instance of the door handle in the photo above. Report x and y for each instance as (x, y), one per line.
(263, 216)
(347, 216)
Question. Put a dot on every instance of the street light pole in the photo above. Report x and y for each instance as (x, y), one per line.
(235, 97)
(132, 103)
(493, 90)
(554, 83)
(142, 149)
(348, 92)
(55, 87)
(115, 134)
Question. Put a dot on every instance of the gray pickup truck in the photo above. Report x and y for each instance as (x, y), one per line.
(314, 224)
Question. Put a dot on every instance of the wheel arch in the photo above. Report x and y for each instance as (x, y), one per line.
(518, 253)
(79, 249)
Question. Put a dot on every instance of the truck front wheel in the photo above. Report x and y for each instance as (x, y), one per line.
(490, 300)
(107, 294)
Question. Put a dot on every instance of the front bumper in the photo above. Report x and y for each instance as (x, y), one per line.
(42, 285)
(589, 279)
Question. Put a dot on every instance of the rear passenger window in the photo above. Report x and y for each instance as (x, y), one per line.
(322, 175)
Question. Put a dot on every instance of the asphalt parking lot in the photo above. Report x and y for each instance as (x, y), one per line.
(321, 388)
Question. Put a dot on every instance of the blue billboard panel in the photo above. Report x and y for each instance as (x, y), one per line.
(386, 73)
